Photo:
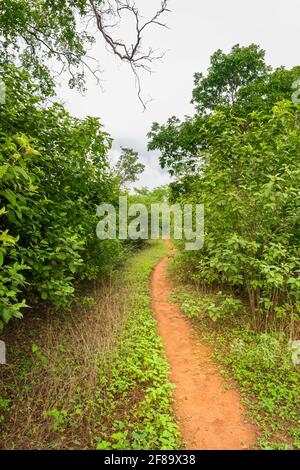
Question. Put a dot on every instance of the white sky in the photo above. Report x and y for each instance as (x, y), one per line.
(197, 29)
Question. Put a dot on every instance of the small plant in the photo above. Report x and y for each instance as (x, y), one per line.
(215, 306)
(4, 407)
(86, 301)
(261, 363)
(58, 418)
(36, 351)
(103, 445)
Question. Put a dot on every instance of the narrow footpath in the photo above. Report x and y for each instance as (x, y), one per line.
(209, 416)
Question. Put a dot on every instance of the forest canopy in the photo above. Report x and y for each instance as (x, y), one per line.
(55, 168)
(239, 155)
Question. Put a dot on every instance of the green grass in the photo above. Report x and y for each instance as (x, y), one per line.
(93, 377)
(139, 367)
(260, 363)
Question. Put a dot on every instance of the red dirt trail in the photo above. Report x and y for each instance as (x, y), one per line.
(209, 417)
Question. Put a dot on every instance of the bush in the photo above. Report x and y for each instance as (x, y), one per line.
(239, 156)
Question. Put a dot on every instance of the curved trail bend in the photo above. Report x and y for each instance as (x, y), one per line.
(209, 417)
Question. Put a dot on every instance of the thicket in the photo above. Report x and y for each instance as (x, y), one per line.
(54, 168)
(260, 363)
(54, 171)
(94, 376)
(240, 155)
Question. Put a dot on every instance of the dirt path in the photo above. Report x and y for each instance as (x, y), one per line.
(210, 418)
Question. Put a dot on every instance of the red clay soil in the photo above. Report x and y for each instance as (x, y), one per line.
(209, 417)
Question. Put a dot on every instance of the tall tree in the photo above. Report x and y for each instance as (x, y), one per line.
(227, 74)
(38, 33)
(239, 155)
(128, 167)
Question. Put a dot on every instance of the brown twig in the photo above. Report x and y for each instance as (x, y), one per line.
(108, 15)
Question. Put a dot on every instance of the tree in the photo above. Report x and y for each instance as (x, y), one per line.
(178, 143)
(227, 74)
(36, 33)
(152, 196)
(128, 167)
(238, 83)
(263, 94)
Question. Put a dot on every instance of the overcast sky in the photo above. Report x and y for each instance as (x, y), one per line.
(197, 28)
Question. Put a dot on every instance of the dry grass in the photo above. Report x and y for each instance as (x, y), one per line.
(63, 374)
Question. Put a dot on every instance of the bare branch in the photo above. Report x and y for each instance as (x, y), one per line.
(108, 15)
(66, 58)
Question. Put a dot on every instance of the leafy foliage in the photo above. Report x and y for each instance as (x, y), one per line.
(261, 364)
(128, 167)
(54, 172)
(243, 164)
(33, 34)
(109, 356)
(227, 75)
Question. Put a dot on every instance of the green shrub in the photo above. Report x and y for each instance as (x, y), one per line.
(239, 156)
(54, 172)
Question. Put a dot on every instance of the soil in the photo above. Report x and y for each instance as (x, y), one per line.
(210, 416)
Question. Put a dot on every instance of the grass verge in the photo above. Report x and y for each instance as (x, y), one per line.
(93, 377)
(260, 363)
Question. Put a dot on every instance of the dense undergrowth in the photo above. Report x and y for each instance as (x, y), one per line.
(261, 363)
(93, 377)
(54, 171)
(88, 371)
(239, 156)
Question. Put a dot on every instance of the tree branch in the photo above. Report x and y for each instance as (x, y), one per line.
(133, 54)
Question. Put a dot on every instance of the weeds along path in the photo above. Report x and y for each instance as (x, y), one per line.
(210, 418)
